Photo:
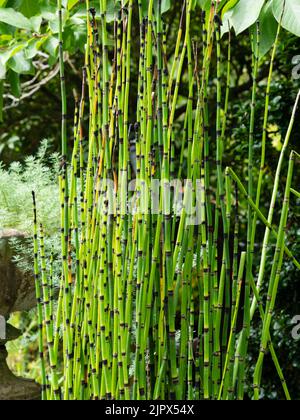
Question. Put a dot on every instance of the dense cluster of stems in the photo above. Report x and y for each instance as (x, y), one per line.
(148, 304)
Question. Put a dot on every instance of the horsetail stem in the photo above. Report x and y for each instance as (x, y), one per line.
(229, 353)
(273, 200)
(39, 298)
(266, 115)
(275, 277)
(150, 291)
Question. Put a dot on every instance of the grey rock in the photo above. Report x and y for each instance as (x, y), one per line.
(17, 293)
(13, 388)
(17, 288)
(11, 334)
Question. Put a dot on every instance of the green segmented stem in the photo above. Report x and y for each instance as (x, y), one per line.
(273, 201)
(46, 287)
(242, 351)
(275, 278)
(260, 214)
(229, 353)
(39, 298)
(63, 82)
(266, 118)
(296, 193)
(149, 300)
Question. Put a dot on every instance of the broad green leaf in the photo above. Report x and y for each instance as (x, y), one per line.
(222, 4)
(72, 3)
(33, 47)
(5, 38)
(3, 3)
(113, 6)
(6, 29)
(291, 17)
(80, 38)
(226, 22)
(268, 29)
(145, 7)
(244, 14)
(77, 20)
(15, 19)
(112, 10)
(15, 84)
(20, 64)
(54, 23)
(229, 5)
(6, 55)
(36, 22)
(29, 8)
(204, 4)
(51, 46)
(165, 6)
(226, 16)
(48, 11)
